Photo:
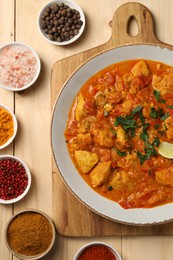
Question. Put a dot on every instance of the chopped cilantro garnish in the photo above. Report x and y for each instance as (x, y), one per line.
(158, 113)
(171, 107)
(153, 113)
(144, 136)
(113, 132)
(163, 101)
(127, 122)
(157, 97)
(156, 141)
(136, 110)
(163, 117)
(148, 153)
(142, 157)
(123, 154)
(157, 126)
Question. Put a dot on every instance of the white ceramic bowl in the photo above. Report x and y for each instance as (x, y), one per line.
(15, 124)
(68, 171)
(70, 4)
(83, 248)
(27, 172)
(37, 233)
(19, 66)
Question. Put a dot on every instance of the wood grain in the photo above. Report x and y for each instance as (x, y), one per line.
(6, 98)
(72, 218)
(19, 18)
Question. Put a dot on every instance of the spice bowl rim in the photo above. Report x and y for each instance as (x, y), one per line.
(97, 243)
(33, 257)
(10, 140)
(71, 4)
(14, 200)
(38, 66)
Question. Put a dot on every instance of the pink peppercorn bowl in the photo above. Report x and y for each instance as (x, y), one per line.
(97, 243)
(37, 233)
(15, 125)
(19, 66)
(15, 179)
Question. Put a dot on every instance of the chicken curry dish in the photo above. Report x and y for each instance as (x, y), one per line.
(116, 123)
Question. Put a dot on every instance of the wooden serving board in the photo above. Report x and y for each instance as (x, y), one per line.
(70, 216)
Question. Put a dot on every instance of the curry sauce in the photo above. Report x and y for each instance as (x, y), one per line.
(115, 126)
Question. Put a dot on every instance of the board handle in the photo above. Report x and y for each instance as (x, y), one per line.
(120, 25)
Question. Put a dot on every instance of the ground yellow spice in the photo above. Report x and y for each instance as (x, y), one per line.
(30, 234)
(6, 126)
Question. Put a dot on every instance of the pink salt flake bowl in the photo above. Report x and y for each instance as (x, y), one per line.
(19, 66)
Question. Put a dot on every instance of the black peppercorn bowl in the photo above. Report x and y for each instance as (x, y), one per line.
(15, 179)
(61, 22)
(30, 227)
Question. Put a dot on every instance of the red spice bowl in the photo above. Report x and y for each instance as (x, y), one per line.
(19, 66)
(15, 179)
(30, 234)
(9, 126)
(97, 250)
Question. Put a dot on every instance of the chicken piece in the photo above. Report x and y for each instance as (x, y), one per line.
(164, 83)
(108, 107)
(119, 85)
(81, 142)
(86, 123)
(103, 153)
(153, 133)
(100, 173)
(102, 136)
(146, 112)
(85, 160)
(140, 69)
(165, 177)
(100, 100)
(168, 123)
(112, 95)
(121, 178)
(80, 112)
(126, 106)
(121, 137)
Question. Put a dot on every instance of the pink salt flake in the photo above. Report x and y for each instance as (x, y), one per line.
(18, 66)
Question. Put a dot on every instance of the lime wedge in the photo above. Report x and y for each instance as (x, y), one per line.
(166, 150)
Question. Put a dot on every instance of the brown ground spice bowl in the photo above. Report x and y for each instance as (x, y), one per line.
(30, 234)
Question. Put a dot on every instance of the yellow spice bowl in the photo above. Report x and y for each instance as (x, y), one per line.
(8, 134)
(30, 234)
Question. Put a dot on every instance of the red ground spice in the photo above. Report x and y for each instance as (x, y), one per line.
(97, 253)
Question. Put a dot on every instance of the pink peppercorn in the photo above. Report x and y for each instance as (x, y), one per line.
(13, 179)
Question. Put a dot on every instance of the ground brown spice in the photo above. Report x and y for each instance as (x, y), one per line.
(30, 233)
(6, 126)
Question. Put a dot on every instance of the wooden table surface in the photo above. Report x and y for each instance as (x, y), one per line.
(18, 22)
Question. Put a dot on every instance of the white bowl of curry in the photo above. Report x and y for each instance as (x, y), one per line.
(8, 126)
(111, 127)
